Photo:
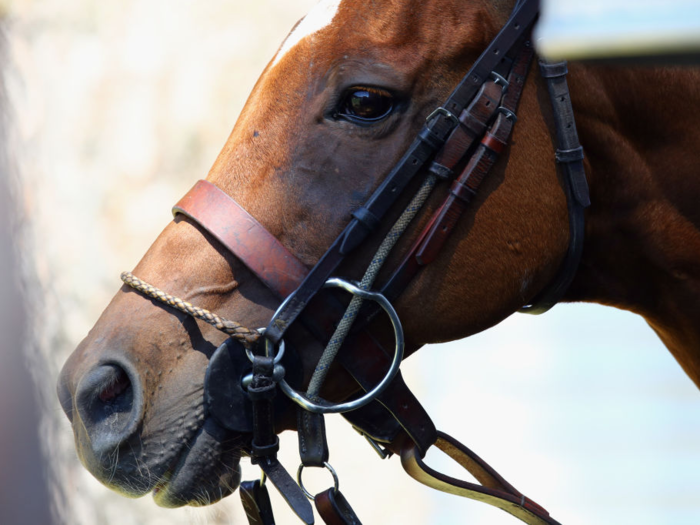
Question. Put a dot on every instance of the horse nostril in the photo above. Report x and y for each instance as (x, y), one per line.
(110, 405)
(118, 385)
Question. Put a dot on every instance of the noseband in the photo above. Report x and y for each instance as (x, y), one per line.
(459, 143)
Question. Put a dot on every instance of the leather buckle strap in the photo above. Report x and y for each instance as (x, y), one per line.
(433, 237)
(569, 155)
(473, 122)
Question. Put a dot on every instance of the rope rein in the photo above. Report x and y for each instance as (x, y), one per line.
(371, 273)
(245, 335)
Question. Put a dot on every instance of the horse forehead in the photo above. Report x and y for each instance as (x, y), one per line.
(320, 16)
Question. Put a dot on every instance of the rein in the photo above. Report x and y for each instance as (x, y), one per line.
(471, 129)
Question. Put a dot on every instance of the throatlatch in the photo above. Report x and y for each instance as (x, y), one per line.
(460, 143)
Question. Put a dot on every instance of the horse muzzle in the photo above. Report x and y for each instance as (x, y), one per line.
(134, 443)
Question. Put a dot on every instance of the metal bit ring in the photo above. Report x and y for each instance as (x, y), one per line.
(325, 407)
(328, 467)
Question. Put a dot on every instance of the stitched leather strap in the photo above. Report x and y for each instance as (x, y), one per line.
(493, 489)
(313, 446)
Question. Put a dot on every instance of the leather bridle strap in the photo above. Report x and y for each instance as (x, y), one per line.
(433, 237)
(493, 489)
(229, 223)
(429, 140)
(569, 155)
(243, 236)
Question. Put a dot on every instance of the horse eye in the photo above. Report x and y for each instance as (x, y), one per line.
(366, 104)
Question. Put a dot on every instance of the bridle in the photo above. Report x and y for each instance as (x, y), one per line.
(460, 142)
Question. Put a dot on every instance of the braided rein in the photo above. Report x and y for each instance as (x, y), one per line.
(245, 335)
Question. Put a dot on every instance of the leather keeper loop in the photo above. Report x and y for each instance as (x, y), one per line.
(366, 217)
(569, 155)
(440, 171)
(492, 143)
(262, 389)
(553, 69)
(470, 123)
(260, 451)
(462, 192)
(433, 140)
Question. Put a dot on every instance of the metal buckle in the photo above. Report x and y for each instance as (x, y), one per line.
(444, 112)
(498, 79)
(382, 452)
(508, 113)
(329, 408)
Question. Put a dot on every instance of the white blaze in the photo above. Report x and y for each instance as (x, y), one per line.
(319, 17)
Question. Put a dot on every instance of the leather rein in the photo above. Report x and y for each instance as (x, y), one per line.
(459, 143)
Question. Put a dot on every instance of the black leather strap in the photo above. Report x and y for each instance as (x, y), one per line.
(256, 503)
(311, 431)
(569, 156)
(262, 391)
(266, 443)
(287, 487)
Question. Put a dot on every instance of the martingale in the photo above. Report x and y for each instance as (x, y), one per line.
(459, 144)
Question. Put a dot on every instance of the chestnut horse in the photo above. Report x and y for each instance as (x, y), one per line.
(134, 388)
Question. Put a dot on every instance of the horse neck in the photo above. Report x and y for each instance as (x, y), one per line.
(642, 247)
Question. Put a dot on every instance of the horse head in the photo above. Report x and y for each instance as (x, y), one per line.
(332, 113)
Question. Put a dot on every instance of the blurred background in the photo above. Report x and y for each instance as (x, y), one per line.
(582, 409)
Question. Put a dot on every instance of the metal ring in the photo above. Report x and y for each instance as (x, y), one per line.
(329, 408)
(268, 349)
(330, 469)
(263, 478)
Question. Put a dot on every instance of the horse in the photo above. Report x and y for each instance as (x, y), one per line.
(301, 168)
